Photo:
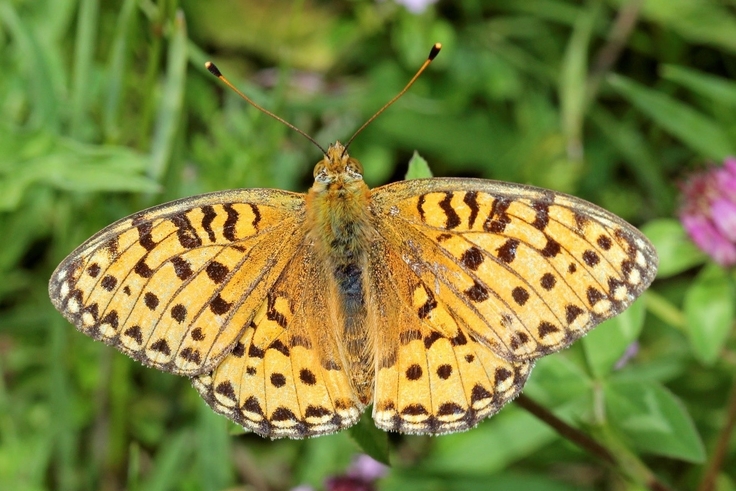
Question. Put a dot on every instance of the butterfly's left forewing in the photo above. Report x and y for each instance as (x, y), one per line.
(176, 285)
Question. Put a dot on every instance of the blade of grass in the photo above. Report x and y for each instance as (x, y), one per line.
(83, 53)
(116, 71)
(701, 133)
(170, 109)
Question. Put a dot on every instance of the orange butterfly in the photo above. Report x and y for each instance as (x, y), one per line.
(430, 299)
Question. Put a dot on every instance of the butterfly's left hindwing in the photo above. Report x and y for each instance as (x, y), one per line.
(176, 285)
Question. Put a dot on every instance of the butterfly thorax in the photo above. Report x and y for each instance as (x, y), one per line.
(339, 227)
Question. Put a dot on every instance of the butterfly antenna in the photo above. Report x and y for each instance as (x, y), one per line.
(216, 72)
(432, 55)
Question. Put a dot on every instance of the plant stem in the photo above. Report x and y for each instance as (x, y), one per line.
(623, 461)
(719, 453)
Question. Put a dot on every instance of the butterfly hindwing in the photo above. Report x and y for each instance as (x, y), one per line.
(175, 286)
(286, 376)
(432, 375)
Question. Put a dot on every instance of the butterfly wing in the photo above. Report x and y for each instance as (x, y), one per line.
(175, 286)
(502, 272)
(285, 377)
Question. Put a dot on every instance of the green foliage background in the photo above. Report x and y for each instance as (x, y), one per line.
(106, 108)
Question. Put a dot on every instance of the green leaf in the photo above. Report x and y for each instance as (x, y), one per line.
(697, 21)
(493, 445)
(676, 251)
(418, 168)
(370, 439)
(695, 129)
(639, 156)
(653, 419)
(719, 89)
(605, 345)
(709, 309)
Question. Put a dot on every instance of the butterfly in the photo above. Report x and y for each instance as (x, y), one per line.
(291, 313)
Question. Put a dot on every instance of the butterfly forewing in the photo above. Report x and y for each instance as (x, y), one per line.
(176, 285)
(527, 270)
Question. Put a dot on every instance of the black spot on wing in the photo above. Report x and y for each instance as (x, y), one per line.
(161, 346)
(209, 216)
(498, 218)
(186, 233)
(444, 371)
(572, 312)
(429, 305)
(551, 248)
(307, 376)
(179, 313)
(142, 269)
(93, 270)
(477, 293)
(471, 199)
(217, 271)
(228, 229)
(541, 220)
(548, 281)
(109, 283)
(135, 333)
(520, 295)
(507, 252)
(472, 258)
(604, 242)
(414, 372)
(145, 239)
(452, 219)
(182, 268)
(151, 300)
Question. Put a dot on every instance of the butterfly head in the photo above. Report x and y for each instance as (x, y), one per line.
(337, 170)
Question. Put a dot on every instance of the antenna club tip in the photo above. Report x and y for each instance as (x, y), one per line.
(213, 69)
(435, 51)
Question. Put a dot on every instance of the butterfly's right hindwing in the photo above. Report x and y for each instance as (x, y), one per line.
(286, 376)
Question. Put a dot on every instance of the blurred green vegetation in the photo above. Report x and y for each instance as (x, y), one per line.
(106, 108)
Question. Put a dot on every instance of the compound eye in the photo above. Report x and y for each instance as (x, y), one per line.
(354, 169)
(322, 176)
(318, 169)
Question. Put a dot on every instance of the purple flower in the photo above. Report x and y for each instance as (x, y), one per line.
(708, 212)
(361, 476)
